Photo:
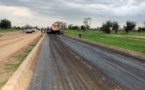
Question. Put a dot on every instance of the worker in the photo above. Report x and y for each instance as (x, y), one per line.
(80, 34)
(41, 30)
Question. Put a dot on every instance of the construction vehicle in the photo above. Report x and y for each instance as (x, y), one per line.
(54, 29)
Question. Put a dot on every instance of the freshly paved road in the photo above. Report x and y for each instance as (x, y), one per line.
(67, 64)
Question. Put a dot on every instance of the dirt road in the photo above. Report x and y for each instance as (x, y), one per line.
(11, 44)
(67, 64)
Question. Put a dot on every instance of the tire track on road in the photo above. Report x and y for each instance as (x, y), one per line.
(116, 66)
(66, 70)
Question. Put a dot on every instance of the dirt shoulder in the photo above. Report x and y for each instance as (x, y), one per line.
(12, 48)
(10, 34)
(8, 46)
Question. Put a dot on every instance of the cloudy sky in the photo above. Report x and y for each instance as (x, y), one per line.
(44, 12)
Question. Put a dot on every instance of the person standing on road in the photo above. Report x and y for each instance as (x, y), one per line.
(41, 30)
(80, 34)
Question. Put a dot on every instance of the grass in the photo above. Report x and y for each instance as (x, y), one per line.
(2, 83)
(7, 30)
(121, 40)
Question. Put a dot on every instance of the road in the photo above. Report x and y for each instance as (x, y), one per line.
(68, 64)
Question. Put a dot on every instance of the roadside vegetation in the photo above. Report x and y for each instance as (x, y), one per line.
(6, 26)
(8, 68)
(7, 30)
(110, 33)
(131, 41)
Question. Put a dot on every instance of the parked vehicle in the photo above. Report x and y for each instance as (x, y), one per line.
(29, 31)
(33, 30)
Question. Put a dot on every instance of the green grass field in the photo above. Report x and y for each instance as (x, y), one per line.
(7, 30)
(122, 40)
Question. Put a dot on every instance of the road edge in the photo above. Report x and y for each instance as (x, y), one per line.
(134, 53)
(21, 77)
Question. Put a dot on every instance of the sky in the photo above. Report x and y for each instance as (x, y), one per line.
(43, 13)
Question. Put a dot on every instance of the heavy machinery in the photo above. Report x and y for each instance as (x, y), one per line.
(54, 29)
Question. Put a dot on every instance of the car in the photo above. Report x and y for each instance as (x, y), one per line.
(29, 31)
(33, 30)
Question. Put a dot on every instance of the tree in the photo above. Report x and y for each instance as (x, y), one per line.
(109, 23)
(16, 27)
(5, 24)
(87, 22)
(130, 25)
(61, 25)
(70, 26)
(36, 27)
(141, 29)
(115, 26)
(27, 26)
(98, 28)
(83, 28)
(75, 28)
(106, 27)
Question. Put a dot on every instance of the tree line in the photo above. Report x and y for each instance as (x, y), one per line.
(6, 24)
(108, 26)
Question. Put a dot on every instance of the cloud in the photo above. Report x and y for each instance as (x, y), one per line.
(73, 11)
(15, 11)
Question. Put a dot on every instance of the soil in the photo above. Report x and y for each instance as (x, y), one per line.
(12, 44)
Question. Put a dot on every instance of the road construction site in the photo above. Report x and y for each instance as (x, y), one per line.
(66, 63)
(61, 62)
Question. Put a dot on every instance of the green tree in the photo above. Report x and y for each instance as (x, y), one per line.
(115, 26)
(70, 26)
(83, 28)
(109, 23)
(141, 29)
(130, 25)
(75, 28)
(106, 27)
(5, 24)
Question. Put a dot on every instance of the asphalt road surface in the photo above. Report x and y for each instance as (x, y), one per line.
(68, 64)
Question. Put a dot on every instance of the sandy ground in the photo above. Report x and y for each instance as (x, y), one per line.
(9, 34)
(12, 44)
